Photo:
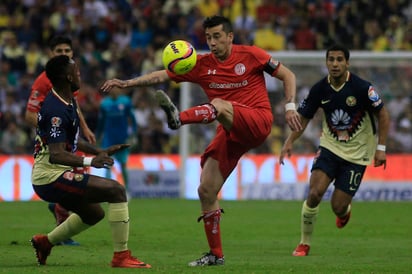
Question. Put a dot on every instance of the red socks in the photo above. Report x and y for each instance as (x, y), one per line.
(211, 220)
(205, 114)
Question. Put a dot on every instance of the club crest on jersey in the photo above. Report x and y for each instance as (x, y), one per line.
(78, 177)
(240, 69)
(373, 96)
(68, 175)
(351, 101)
(56, 121)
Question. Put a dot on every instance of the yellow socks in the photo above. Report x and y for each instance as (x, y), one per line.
(118, 215)
(308, 219)
(72, 226)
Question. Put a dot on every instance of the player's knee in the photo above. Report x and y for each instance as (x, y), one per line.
(221, 106)
(204, 192)
(93, 217)
(339, 208)
(314, 197)
(118, 193)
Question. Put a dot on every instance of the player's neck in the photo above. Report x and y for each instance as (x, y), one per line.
(338, 82)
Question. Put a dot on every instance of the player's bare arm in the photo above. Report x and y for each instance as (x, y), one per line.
(289, 85)
(59, 155)
(293, 136)
(149, 79)
(383, 129)
(31, 118)
(87, 133)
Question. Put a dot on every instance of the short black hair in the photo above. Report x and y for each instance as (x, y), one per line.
(58, 40)
(57, 68)
(338, 47)
(217, 20)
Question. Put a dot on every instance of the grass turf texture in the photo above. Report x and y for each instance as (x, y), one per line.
(258, 237)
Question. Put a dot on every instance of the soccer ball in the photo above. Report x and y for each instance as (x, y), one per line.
(179, 57)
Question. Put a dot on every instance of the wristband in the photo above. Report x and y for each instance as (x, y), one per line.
(290, 106)
(381, 147)
(87, 161)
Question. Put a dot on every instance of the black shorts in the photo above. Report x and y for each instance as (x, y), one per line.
(67, 189)
(347, 176)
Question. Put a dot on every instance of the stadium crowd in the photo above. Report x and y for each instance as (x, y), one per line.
(124, 38)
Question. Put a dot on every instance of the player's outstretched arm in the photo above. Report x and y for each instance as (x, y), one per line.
(31, 118)
(149, 79)
(383, 129)
(87, 133)
(59, 155)
(115, 148)
(293, 136)
(289, 85)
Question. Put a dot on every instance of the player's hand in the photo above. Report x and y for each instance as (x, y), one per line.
(286, 151)
(293, 120)
(115, 148)
(380, 159)
(102, 160)
(109, 84)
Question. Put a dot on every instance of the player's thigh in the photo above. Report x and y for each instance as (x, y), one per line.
(225, 112)
(318, 184)
(100, 189)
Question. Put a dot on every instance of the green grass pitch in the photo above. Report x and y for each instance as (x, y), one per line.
(258, 237)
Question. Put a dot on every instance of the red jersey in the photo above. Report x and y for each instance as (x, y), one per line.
(39, 90)
(240, 78)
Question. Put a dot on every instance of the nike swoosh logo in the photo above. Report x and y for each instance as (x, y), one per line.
(324, 102)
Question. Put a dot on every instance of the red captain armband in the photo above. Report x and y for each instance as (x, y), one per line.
(272, 66)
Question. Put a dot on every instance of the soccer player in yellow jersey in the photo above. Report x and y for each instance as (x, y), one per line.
(351, 107)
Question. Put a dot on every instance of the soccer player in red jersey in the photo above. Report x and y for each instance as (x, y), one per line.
(59, 45)
(351, 107)
(232, 76)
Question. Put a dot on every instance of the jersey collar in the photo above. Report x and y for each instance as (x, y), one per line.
(341, 86)
(60, 98)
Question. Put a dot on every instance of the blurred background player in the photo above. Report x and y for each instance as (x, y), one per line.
(58, 45)
(54, 179)
(116, 124)
(348, 141)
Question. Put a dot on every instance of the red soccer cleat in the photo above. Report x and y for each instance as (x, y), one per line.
(301, 250)
(125, 259)
(341, 222)
(42, 246)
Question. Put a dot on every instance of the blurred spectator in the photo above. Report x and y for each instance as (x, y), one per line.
(33, 57)
(303, 37)
(14, 140)
(394, 33)
(142, 35)
(265, 12)
(403, 132)
(265, 37)
(407, 38)
(4, 17)
(13, 53)
(95, 10)
(244, 27)
(208, 8)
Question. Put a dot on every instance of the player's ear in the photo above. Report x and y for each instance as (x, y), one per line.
(69, 78)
